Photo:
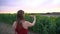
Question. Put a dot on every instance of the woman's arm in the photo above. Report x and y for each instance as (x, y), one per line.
(33, 23)
(14, 26)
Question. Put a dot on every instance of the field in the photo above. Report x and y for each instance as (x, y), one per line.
(44, 24)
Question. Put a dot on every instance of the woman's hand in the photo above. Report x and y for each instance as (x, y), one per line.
(33, 16)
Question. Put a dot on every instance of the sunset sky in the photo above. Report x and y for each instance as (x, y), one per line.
(29, 6)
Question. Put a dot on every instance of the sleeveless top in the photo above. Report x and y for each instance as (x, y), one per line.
(20, 30)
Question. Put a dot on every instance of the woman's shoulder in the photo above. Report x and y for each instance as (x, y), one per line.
(14, 23)
(29, 24)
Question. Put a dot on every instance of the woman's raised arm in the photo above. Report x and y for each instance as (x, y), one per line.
(33, 23)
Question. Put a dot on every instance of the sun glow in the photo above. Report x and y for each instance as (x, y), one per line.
(29, 6)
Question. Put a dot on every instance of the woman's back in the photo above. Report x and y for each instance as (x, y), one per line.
(20, 29)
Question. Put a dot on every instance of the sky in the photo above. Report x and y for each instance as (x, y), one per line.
(29, 6)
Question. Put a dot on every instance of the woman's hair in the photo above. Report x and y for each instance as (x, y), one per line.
(20, 16)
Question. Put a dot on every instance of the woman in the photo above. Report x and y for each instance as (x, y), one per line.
(20, 25)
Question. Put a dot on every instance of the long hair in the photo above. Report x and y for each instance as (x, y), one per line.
(20, 16)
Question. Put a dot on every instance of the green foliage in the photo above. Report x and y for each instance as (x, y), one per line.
(44, 24)
(7, 18)
(58, 25)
